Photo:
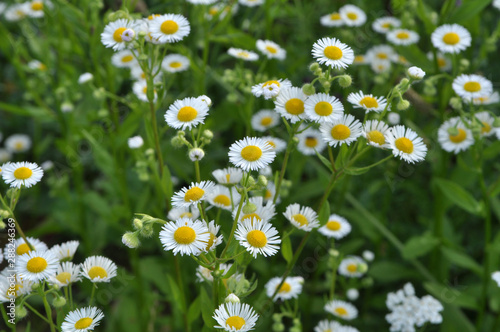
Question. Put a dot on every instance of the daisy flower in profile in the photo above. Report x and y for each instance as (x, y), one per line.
(352, 267)
(264, 120)
(336, 226)
(18, 143)
(98, 269)
(206, 99)
(66, 250)
(406, 144)
(36, 265)
(135, 142)
(67, 273)
(243, 54)
(328, 326)
(112, 36)
(310, 141)
(486, 121)
(343, 131)
(403, 37)
(169, 28)
(381, 53)
(278, 145)
(228, 176)
(140, 89)
(472, 86)
(460, 139)
(213, 240)
(23, 248)
(443, 62)
(251, 153)
(190, 212)
(367, 101)
(269, 192)
(374, 131)
(333, 53)
(174, 63)
(342, 309)
(271, 50)
(194, 194)
(186, 113)
(416, 73)
(321, 107)
(302, 217)
(496, 277)
(16, 12)
(22, 174)
(331, 20)
(493, 98)
(352, 15)
(290, 104)
(451, 38)
(235, 317)
(380, 67)
(82, 320)
(37, 65)
(360, 60)
(258, 237)
(250, 3)
(270, 89)
(124, 59)
(385, 24)
(220, 197)
(291, 288)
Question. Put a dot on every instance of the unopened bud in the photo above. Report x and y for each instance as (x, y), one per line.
(147, 230)
(249, 208)
(333, 252)
(206, 100)
(196, 154)
(208, 134)
(128, 35)
(2, 225)
(177, 142)
(131, 240)
(403, 105)
(232, 299)
(496, 122)
(352, 294)
(262, 181)
(4, 214)
(368, 255)
(314, 66)
(137, 223)
(456, 103)
(464, 64)
(278, 327)
(362, 267)
(251, 181)
(59, 302)
(21, 312)
(345, 81)
(308, 89)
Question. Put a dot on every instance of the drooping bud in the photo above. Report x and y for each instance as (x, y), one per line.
(345, 81)
(131, 240)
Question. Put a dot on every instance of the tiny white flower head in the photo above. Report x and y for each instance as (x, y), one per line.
(206, 100)
(98, 269)
(416, 73)
(496, 277)
(232, 298)
(393, 118)
(135, 142)
(85, 77)
(368, 255)
(352, 294)
(196, 154)
(128, 35)
(18, 143)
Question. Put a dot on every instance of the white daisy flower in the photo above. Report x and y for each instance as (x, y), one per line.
(451, 38)
(374, 131)
(270, 89)
(36, 65)
(243, 54)
(337, 227)
(201, 2)
(496, 277)
(213, 240)
(381, 53)
(403, 37)
(271, 50)
(342, 309)
(135, 142)
(328, 326)
(380, 66)
(85, 77)
(265, 119)
(262, 213)
(258, 237)
(352, 15)
(472, 86)
(16, 12)
(385, 24)
(331, 20)
(321, 107)
(18, 143)
(486, 121)
(416, 73)
(221, 9)
(36, 265)
(140, 89)
(368, 255)
(235, 317)
(124, 59)
(444, 63)
(353, 267)
(302, 217)
(367, 101)
(251, 153)
(493, 98)
(169, 28)
(98, 269)
(251, 3)
(67, 273)
(5, 156)
(206, 99)
(194, 194)
(220, 197)
(343, 131)
(461, 141)
(310, 141)
(112, 36)
(65, 251)
(406, 144)
(82, 320)
(22, 174)
(290, 104)
(36, 8)
(186, 113)
(190, 212)
(23, 248)
(333, 53)
(20, 286)
(393, 118)
(230, 175)
(269, 193)
(174, 63)
(360, 59)
(352, 294)
(277, 144)
(291, 288)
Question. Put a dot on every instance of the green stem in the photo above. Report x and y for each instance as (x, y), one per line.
(334, 274)
(6, 319)
(92, 294)
(18, 227)
(181, 287)
(48, 310)
(36, 312)
(285, 162)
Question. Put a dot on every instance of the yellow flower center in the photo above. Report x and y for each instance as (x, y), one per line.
(382, 56)
(257, 238)
(340, 132)
(266, 121)
(184, 235)
(271, 49)
(352, 268)
(223, 200)
(213, 11)
(127, 58)
(333, 52)
(271, 82)
(268, 194)
(211, 240)
(451, 38)
(251, 216)
(145, 90)
(404, 144)
(97, 272)
(194, 194)
(42, 67)
(323, 108)
(311, 142)
(251, 153)
(368, 102)
(83, 323)
(301, 219)
(63, 277)
(333, 225)
(36, 265)
(37, 5)
(272, 144)
(169, 27)
(23, 173)
(285, 288)
(458, 137)
(243, 54)
(352, 16)
(235, 322)
(386, 25)
(294, 106)
(403, 35)
(340, 311)
(441, 62)
(175, 64)
(376, 137)
(359, 58)
(186, 215)
(486, 128)
(472, 86)
(117, 35)
(23, 249)
(186, 114)
(228, 176)
(335, 16)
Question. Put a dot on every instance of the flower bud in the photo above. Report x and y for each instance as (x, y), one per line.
(206, 100)
(103, 113)
(249, 208)
(403, 105)
(137, 223)
(59, 302)
(4, 214)
(278, 327)
(232, 298)
(208, 134)
(131, 240)
(66, 107)
(368, 255)
(456, 103)
(363, 267)
(262, 181)
(251, 181)
(416, 73)
(196, 154)
(464, 64)
(333, 252)
(21, 312)
(345, 81)
(2, 225)
(277, 318)
(452, 131)
(177, 142)
(308, 89)
(314, 66)
(128, 35)
(147, 230)
(352, 294)
(496, 122)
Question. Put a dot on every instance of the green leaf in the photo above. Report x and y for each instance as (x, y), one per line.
(325, 161)
(467, 10)
(458, 195)
(451, 296)
(356, 170)
(194, 310)
(462, 260)
(416, 57)
(176, 293)
(286, 249)
(207, 308)
(342, 156)
(388, 272)
(324, 213)
(419, 245)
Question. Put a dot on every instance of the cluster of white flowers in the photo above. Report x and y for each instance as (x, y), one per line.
(19, 11)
